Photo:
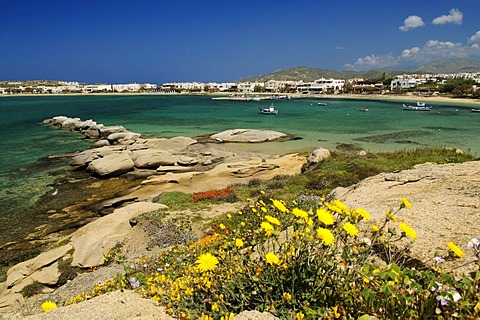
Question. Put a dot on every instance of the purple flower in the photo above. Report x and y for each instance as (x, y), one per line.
(443, 299)
(474, 242)
(438, 260)
(134, 282)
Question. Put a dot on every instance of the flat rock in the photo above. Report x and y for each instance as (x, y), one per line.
(112, 165)
(93, 241)
(153, 158)
(247, 135)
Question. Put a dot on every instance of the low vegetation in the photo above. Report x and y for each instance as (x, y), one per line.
(292, 252)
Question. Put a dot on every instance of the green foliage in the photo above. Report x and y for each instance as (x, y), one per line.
(32, 289)
(176, 200)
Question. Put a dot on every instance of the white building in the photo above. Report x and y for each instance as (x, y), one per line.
(322, 85)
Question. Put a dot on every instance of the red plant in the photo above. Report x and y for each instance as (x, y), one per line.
(212, 194)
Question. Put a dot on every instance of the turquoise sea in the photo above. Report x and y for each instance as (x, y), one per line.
(25, 144)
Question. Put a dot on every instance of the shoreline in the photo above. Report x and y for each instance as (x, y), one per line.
(385, 97)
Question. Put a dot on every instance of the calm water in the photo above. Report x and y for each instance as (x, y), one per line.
(25, 142)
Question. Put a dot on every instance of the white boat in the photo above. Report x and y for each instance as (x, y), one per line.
(475, 110)
(270, 110)
(420, 106)
(322, 103)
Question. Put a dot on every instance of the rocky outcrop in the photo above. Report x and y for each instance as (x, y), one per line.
(247, 135)
(445, 203)
(318, 155)
(87, 247)
(92, 242)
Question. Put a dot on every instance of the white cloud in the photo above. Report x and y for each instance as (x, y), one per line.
(412, 22)
(475, 39)
(372, 62)
(455, 16)
(432, 50)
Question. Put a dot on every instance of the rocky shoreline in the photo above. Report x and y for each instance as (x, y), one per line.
(156, 165)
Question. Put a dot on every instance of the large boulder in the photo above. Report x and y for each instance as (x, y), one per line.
(247, 135)
(112, 164)
(318, 155)
(153, 158)
(93, 241)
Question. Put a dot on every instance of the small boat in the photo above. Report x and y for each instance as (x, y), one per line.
(363, 109)
(475, 110)
(322, 103)
(270, 110)
(420, 106)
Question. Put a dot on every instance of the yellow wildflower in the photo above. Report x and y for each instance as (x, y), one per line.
(239, 243)
(299, 316)
(207, 262)
(264, 210)
(477, 306)
(280, 206)
(222, 226)
(240, 212)
(287, 296)
(364, 214)
(336, 314)
(229, 216)
(300, 213)
(326, 236)
(272, 220)
(262, 192)
(272, 258)
(267, 227)
(325, 217)
(350, 229)
(375, 227)
(340, 205)
(390, 216)
(48, 305)
(405, 203)
(214, 306)
(408, 230)
(456, 250)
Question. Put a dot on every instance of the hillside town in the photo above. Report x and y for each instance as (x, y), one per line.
(426, 83)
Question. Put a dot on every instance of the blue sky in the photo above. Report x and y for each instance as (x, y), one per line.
(158, 41)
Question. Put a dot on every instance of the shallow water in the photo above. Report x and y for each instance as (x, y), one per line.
(25, 174)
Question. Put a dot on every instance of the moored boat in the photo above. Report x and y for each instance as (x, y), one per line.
(475, 110)
(420, 106)
(271, 110)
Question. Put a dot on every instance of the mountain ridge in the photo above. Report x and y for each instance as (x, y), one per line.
(307, 74)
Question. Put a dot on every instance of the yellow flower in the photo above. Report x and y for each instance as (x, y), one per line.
(300, 213)
(272, 258)
(336, 314)
(456, 250)
(240, 212)
(262, 192)
(207, 262)
(287, 296)
(340, 205)
(264, 210)
(405, 203)
(272, 220)
(350, 229)
(48, 305)
(299, 316)
(267, 227)
(239, 242)
(364, 214)
(214, 306)
(325, 217)
(279, 205)
(391, 216)
(375, 227)
(222, 226)
(408, 230)
(229, 216)
(326, 236)
(477, 306)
